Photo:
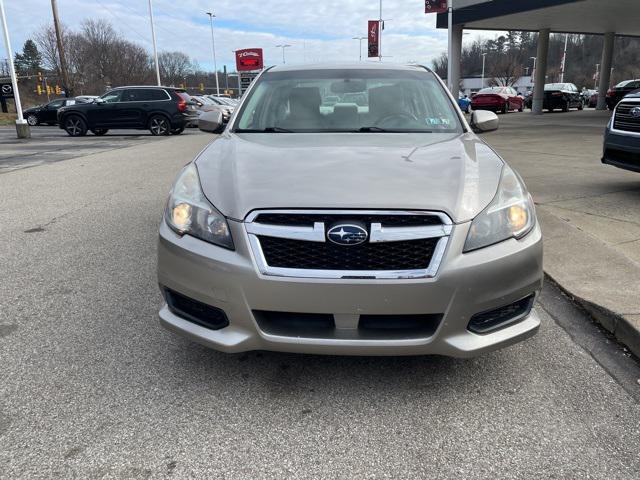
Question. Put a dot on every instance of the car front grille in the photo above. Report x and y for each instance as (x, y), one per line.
(624, 120)
(398, 244)
(408, 255)
(387, 220)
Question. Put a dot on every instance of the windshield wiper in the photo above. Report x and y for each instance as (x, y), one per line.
(264, 130)
(384, 130)
(372, 129)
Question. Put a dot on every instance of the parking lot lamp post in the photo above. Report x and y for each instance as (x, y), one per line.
(155, 48)
(360, 47)
(22, 127)
(283, 46)
(484, 58)
(595, 78)
(564, 58)
(213, 49)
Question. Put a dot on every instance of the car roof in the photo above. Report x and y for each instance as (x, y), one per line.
(348, 66)
(147, 86)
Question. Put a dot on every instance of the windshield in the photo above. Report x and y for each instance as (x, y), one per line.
(348, 100)
(555, 86)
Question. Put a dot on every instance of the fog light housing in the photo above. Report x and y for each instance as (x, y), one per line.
(498, 318)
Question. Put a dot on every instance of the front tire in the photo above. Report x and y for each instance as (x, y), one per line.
(32, 120)
(581, 106)
(159, 125)
(75, 126)
(565, 107)
(99, 131)
(505, 108)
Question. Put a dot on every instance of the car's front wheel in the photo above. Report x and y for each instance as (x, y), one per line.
(505, 108)
(75, 126)
(99, 131)
(159, 125)
(32, 120)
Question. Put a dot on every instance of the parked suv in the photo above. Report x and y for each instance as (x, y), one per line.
(383, 229)
(162, 110)
(622, 136)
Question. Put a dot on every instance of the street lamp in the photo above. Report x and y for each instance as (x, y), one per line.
(595, 79)
(155, 48)
(22, 127)
(283, 46)
(360, 47)
(213, 49)
(484, 58)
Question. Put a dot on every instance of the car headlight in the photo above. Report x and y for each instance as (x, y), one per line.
(189, 212)
(510, 214)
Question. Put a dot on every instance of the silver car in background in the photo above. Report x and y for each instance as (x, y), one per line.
(378, 225)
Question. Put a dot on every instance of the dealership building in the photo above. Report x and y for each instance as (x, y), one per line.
(609, 18)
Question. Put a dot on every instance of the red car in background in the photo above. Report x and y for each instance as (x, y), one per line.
(497, 99)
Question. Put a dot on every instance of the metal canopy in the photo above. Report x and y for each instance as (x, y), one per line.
(565, 16)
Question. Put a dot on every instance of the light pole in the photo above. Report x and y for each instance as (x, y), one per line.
(360, 47)
(155, 48)
(213, 49)
(595, 80)
(484, 58)
(22, 127)
(564, 58)
(533, 72)
(283, 46)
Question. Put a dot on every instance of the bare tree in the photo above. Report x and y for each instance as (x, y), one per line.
(174, 67)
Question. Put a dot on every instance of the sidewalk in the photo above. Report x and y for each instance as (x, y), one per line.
(589, 212)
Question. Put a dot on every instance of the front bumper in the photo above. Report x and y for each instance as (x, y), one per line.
(466, 284)
(622, 150)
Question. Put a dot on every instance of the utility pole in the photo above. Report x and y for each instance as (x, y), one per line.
(155, 48)
(22, 127)
(63, 63)
(360, 47)
(450, 44)
(595, 84)
(213, 48)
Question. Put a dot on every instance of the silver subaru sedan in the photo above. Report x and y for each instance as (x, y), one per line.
(350, 210)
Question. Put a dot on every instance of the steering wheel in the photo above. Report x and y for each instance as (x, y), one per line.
(395, 116)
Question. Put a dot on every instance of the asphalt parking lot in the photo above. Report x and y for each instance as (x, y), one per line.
(51, 144)
(91, 387)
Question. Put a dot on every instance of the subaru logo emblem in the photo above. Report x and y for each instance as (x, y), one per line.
(635, 112)
(347, 234)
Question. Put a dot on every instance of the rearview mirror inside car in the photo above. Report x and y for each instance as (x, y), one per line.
(210, 121)
(484, 121)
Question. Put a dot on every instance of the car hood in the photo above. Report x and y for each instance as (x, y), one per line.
(33, 109)
(454, 173)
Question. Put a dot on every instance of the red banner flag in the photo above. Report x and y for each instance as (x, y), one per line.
(374, 38)
(435, 6)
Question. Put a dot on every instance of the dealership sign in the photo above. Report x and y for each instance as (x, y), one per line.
(6, 90)
(249, 59)
(374, 38)
(435, 6)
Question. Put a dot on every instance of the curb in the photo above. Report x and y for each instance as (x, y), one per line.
(620, 327)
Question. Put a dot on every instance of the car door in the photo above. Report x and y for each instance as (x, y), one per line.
(50, 111)
(132, 107)
(102, 114)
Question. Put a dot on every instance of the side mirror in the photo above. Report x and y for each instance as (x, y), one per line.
(99, 101)
(210, 121)
(484, 121)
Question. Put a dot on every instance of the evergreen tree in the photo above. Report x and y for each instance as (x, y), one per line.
(29, 61)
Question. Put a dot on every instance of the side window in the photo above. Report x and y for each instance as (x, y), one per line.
(136, 95)
(56, 104)
(157, 94)
(112, 97)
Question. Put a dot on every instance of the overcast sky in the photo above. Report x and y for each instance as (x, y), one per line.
(318, 30)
